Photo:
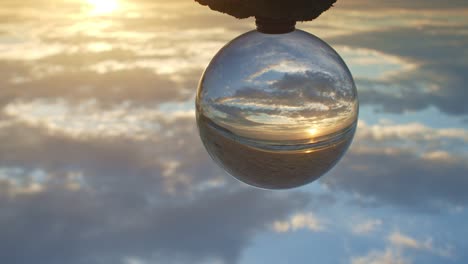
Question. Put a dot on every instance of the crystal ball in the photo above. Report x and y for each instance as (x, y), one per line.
(277, 111)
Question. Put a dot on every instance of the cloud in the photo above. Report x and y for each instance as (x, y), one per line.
(87, 119)
(391, 165)
(366, 227)
(440, 86)
(86, 226)
(111, 59)
(404, 241)
(410, 132)
(103, 157)
(394, 251)
(94, 170)
(381, 257)
(401, 240)
(115, 199)
(132, 85)
(307, 221)
(439, 81)
(444, 43)
(373, 64)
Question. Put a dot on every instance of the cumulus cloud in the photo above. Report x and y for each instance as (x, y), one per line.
(120, 156)
(94, 170)
(366, 227)
(404, 241)
(399, 243)
(381, 257)
(92, 226)
(88, 119)
(112, 199)
(87, 175)
(410, 132)
(307, 221)
(140, 85)
(439, 80)
(389, 165)
(105, 58)
(441, 86)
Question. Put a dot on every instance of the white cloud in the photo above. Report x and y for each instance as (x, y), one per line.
(393, 253)
(387, 160)
(285, 66)
(88, 120)
(299, 221)
(399, 239)
(404, 241)
(388, 256)
(446, 145)
(281, 226)
(18, 182)
(366, 227)
(410, 131)
(369, 63)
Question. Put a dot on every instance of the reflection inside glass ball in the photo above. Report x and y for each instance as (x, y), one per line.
(276, 111)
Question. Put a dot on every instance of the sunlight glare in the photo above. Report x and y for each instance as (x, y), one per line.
(312, 131)
(102, 7)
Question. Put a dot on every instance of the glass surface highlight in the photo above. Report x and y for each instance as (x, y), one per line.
(277, 111)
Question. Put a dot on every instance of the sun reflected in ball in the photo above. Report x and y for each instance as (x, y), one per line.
(312, 131)
(277, 110)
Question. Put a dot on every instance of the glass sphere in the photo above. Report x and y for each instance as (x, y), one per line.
(277, 111)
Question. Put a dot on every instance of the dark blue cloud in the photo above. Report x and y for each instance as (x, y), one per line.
(439, 81)
(123, 208)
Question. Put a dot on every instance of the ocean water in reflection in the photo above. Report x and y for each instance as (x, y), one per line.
(277, 111)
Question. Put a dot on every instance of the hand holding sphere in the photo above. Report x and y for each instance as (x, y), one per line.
(276, 107)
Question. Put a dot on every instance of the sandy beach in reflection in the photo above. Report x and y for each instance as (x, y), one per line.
(272, 169)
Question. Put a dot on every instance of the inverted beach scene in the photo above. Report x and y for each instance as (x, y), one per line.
(277, 110)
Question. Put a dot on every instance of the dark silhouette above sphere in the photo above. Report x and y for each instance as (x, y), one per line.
(296, 10)
(277, 111)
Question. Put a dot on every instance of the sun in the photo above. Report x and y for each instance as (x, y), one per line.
(102, 7)
(312, 131)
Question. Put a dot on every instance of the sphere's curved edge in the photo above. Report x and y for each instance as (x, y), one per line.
(297, 10)
(278, 166)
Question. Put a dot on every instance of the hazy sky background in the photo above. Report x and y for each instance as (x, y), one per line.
(100, 160)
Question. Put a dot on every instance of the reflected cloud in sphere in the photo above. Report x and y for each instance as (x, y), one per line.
(277, 110)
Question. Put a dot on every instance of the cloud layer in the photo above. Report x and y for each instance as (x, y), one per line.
(100, 160)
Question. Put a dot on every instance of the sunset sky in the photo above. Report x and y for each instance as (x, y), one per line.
(101, 162)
